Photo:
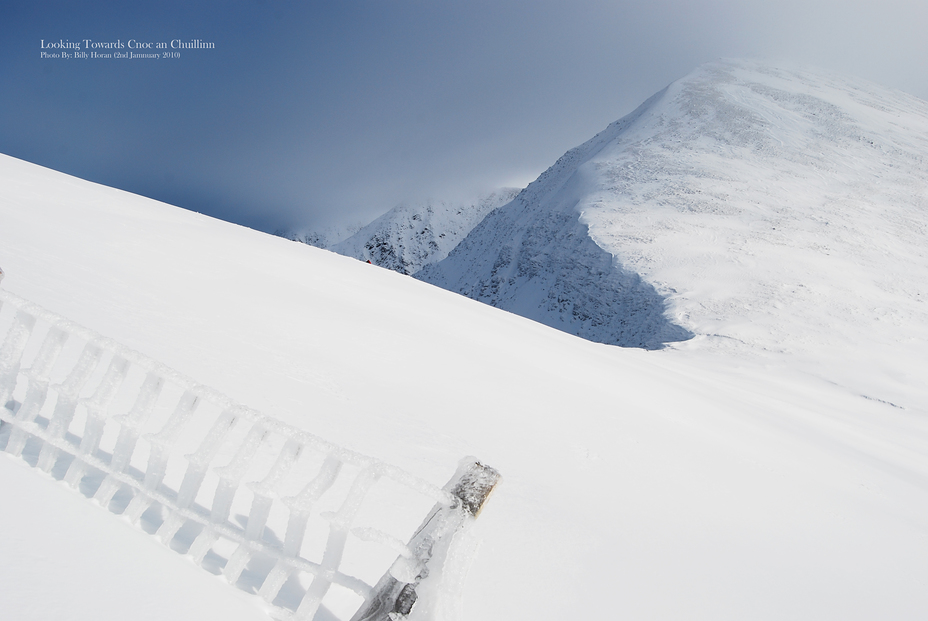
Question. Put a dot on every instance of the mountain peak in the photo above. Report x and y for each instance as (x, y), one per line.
(732, 204)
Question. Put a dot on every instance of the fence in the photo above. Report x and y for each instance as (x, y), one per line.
(303, 523)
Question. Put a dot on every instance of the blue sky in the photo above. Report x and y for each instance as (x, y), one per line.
(317, 113)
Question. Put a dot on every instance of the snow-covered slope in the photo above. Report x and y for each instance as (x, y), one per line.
(412, 235)
(780, 209)
(671, 484)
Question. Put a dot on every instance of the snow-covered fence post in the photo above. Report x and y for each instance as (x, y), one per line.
(300, 507)
(230, 477)
(11, 353)
(38, 378)
(161, 443)
(395, 594)
(260, 508)
(96, 417)
(66, 406)
(199, 462)
(130, 429)
(339, 527)
(197, 465)
(263, 490)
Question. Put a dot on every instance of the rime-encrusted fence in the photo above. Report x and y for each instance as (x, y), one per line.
(303, 523)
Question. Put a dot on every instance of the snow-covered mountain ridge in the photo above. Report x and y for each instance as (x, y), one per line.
(412, 234)
(740, 204)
